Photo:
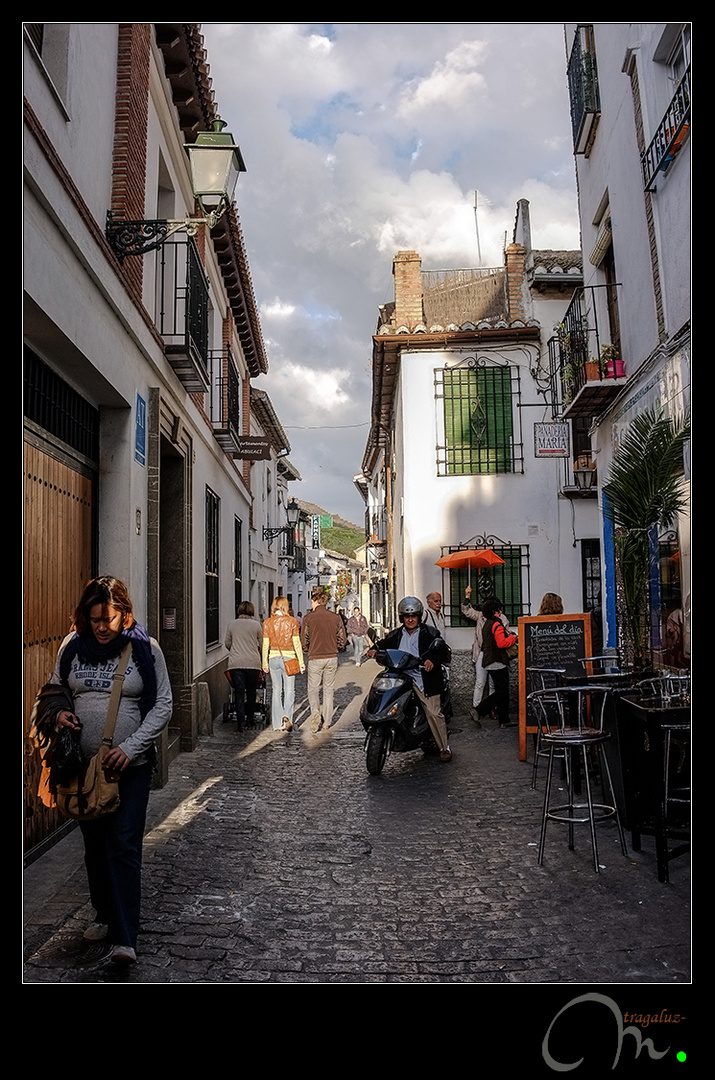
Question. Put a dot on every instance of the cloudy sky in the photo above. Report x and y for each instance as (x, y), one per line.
(361, 140)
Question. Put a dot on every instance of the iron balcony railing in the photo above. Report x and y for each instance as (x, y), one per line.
(669, 137)
(299, 557)
(580, 359)
(584, 98)
(183, 311)
(224, 405)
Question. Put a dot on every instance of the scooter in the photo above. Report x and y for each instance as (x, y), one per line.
(391, 713)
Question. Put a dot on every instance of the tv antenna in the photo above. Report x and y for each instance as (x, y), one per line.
(476, 225)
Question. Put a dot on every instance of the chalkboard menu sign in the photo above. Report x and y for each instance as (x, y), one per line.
(553, 642)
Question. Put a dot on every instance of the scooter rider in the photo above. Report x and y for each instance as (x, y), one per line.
(432, 650)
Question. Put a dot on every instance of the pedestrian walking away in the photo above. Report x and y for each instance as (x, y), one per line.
(323, 636)
(280, 650)
(103, 626)
(244, 640)
(357, 629)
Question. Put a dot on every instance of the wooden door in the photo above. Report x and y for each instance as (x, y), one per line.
(58, 563)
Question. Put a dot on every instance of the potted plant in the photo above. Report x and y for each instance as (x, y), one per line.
(644, 494)
(611, 363)
(567, 381)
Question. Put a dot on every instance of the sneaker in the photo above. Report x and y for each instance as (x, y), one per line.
(96, 932)
(123, 954)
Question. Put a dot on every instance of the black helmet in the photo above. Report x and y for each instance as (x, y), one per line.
(410, 605)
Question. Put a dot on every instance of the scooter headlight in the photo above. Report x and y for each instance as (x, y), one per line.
(387, 682)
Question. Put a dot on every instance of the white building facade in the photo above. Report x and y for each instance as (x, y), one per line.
(463, 450)
(629, 85)
(137, 367)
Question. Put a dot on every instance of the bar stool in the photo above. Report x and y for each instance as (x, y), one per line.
(677, 776)
(572, 721)
(542, 679)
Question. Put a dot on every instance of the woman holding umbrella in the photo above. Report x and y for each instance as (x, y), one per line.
(477, 616)
(495, 639)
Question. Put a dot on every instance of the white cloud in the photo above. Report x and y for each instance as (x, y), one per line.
(454, 83)
(361, 139)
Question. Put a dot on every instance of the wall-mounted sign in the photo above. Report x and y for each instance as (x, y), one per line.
(140, 431)
(551, 440)
(254, 448)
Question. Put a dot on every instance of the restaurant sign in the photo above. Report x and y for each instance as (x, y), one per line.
(551, 440)
(253, 448)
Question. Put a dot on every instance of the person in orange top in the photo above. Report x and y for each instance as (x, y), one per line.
(496, 638)
(281, 641)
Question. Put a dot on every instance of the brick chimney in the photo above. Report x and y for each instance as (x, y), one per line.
(407, 270)
(517, 289)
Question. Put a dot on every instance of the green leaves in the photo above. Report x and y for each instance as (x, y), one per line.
(645, 485)
(645, 493)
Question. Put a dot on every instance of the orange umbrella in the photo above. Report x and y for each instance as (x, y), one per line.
(477, 558)
(472, 558)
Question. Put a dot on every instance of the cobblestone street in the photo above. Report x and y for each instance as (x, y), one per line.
(275, 858)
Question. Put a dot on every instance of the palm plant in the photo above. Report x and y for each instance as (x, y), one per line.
(644, 491)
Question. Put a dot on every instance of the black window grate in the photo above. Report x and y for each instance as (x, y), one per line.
(58, 409)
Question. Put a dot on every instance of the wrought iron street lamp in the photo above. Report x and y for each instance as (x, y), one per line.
(585, 475)
(215, 163)
(293, 515)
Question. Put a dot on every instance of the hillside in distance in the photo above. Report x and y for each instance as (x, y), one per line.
(344, 536)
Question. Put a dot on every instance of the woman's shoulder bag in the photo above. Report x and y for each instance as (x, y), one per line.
(91, 794)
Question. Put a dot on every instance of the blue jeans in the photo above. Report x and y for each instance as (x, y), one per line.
(113, 857)
(282, 692)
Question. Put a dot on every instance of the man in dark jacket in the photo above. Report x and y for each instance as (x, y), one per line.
(432, 650)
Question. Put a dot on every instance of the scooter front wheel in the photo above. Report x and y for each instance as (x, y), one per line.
(376, 752)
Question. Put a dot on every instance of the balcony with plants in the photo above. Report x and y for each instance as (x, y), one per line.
(669, 137)
(584, 98)
(586, 371)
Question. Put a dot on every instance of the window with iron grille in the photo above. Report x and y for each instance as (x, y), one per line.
(212, 566)
(477, 419)
(57, 408)
(591, 573)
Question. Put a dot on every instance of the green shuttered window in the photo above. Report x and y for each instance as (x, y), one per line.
(478, 422)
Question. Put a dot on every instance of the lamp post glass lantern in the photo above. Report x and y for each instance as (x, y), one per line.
(215, 163)
(585, 475)
(293, 513)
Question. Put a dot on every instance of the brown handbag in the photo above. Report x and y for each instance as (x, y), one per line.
(91, 794)
(291, 665)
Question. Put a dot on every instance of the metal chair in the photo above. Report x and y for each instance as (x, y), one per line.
(542, 679)
(675, 688)
(572, 721)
